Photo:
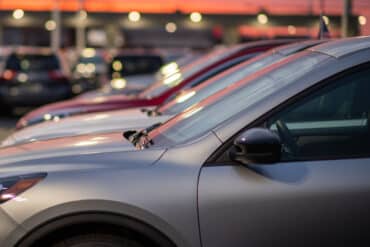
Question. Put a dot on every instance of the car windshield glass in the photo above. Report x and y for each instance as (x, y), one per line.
(32, 62)
(179, 75)
(94, 60)
(192, 96)
(209, 113)
(126, 65)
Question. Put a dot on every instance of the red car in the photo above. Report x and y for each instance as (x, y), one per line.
(191, 75)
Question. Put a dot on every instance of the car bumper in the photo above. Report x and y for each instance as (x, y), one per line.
(8, 228)
(33, 94)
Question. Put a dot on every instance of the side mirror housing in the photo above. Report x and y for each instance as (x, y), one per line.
(256, 146)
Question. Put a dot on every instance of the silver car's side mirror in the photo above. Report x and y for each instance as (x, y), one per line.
(256, 146)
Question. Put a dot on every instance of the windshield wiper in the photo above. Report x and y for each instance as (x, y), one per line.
(154, 112)
(151, 113)
(140, 137)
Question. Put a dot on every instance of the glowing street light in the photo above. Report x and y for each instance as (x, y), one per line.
(292, 30)
(196, 17)
(82, 14)
(118, 83)
(18, 14)
(171, 27)
(262, 19)
(326, 19)
(50, 25)
(362, 20)
(134, 16)
(117, 65)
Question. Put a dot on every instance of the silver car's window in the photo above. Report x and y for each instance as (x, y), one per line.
(217, 83)
(207, 114)
(330, 123)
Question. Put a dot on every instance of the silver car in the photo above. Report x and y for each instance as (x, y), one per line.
(277, 159)
(140, 118)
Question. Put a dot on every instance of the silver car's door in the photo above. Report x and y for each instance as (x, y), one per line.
(317, 195)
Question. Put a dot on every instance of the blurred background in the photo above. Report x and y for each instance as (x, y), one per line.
(71, 47)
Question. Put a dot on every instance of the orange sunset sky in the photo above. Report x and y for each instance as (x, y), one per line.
(360, 7)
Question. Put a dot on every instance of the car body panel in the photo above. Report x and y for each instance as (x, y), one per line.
(8, 225)
(286, 202)
(177, 220)
(76, 145)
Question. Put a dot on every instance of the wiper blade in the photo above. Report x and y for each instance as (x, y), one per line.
(143, 141)
(152, 127)
(129, 135)
(135, 136)
(154, 112)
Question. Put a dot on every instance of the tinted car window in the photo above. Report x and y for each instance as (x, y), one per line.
(332, 122)
(94, 60)
(132, 65)
(32, 62)
(206, 115)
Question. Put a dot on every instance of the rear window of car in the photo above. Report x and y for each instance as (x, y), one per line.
(132, 65)
(94, 60)
(32, 62)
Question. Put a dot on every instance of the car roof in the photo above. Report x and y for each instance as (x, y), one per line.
(252, 44)
(341, 47)
(286, 50)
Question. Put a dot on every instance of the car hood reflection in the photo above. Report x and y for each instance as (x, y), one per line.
(102, 149)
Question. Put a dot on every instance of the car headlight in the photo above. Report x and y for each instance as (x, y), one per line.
(11, 187)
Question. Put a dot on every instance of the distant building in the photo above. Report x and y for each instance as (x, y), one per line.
(109, 24)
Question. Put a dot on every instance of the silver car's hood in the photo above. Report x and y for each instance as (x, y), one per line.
(95, 150)
(84, 124)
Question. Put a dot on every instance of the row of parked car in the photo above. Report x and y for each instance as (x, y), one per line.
(260, 144)
(31, 76)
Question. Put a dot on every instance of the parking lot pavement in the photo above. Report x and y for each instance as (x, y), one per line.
(7, 125)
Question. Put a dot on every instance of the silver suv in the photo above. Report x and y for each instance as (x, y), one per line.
(280, 158)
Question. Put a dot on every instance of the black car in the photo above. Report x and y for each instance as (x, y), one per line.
(127, 64)
(32, 79)
(89, 71)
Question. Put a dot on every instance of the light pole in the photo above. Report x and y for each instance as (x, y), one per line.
(347, 11)
(56, 32)
(81, 15)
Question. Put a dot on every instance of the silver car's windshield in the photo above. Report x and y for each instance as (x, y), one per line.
(215, 84)
(179, 75)
(209, 113)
